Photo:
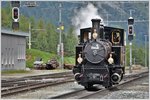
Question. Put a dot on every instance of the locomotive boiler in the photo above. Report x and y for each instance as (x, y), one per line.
(100, 56)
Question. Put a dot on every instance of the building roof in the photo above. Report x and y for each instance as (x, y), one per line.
(11, 32)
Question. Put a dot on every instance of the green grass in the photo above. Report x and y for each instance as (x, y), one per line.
(69, 60)
(14, 71)
(32, 54)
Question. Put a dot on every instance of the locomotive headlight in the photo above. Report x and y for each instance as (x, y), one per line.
(110, 60)
(79, 59)
(95, 34)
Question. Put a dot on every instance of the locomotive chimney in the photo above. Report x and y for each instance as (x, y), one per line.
(96, 25)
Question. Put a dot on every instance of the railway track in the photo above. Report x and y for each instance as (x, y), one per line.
(84, 94)
(41, 84)
(33, 79)
(35, 82)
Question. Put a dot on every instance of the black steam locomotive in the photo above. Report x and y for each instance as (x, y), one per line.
(100, 56)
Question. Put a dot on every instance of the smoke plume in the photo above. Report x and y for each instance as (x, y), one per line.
(83, 16)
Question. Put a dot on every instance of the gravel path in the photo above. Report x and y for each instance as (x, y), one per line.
(138, 89)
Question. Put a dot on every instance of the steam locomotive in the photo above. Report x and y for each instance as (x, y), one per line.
(100, 56)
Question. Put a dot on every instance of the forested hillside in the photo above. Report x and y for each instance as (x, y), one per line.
(48, 11)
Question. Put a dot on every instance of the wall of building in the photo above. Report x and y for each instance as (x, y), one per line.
(13, 51)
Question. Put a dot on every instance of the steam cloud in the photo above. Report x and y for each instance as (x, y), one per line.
(83, 16)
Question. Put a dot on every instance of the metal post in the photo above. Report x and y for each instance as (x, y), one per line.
(29, 36)
(130, 70)
(62, 54)
(125, 50)
(134, 61)
(60, 41)
(145, 51)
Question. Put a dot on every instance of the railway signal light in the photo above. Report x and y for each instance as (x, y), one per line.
(130, 28)
(15, 14)
(130, 32)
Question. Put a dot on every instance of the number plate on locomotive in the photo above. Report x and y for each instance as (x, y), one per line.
(95, 46)
(96, 76)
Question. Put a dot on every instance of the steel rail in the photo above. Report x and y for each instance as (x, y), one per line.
(24, 80)
(10, 91)
(36, 76)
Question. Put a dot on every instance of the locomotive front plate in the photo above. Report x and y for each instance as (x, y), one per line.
(94, 52)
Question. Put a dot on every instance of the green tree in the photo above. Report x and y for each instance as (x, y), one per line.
(138, 52)
(53, 38)
(40, 37)
(6, 17)
(24, 24)
(41, 41)
(70, 42)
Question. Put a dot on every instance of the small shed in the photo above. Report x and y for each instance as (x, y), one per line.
(13, 50)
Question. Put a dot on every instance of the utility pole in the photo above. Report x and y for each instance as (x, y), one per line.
(130, 70)
(29, 35)
(145, 51)
(60, 38)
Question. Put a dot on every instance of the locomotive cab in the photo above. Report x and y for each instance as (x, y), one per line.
(99, 56)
